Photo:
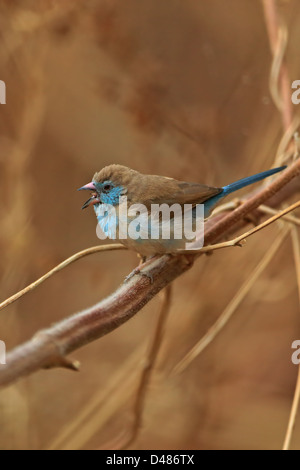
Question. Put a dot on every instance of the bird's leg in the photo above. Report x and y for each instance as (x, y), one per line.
(142, 259)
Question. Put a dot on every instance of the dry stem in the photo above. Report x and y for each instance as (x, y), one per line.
(296, 399)
(60, 267)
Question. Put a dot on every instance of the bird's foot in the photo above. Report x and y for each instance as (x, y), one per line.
(188, 259)
(142, 259)
(138, 270)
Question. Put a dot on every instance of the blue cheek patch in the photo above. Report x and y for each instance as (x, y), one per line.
(112, 197)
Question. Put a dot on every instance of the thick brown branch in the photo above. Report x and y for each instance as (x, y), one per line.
(49, 347)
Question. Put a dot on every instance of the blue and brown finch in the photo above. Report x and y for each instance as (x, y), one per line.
(114, 182)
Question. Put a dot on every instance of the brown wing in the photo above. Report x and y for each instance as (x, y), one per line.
(189, 193)
(152, 189)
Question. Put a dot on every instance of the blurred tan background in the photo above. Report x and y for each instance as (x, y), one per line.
(172, 88)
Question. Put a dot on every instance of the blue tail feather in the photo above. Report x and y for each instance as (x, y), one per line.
(231, 188)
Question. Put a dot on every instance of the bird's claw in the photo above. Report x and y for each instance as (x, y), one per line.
(137, 271)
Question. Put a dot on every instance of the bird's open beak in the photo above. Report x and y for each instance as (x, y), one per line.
(93, 199)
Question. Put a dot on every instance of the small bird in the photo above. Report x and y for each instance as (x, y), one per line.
(113, 183)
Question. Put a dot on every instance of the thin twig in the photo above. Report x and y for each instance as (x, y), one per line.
(279, 78)
(59, 267)
(285, 148)
(238, 241)
(231, 307)
(288, 218)
(229, 206)
(296, 399)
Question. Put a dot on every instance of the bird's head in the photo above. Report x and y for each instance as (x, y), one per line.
(108, 185)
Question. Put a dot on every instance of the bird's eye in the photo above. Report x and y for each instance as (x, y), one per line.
(107, 187)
